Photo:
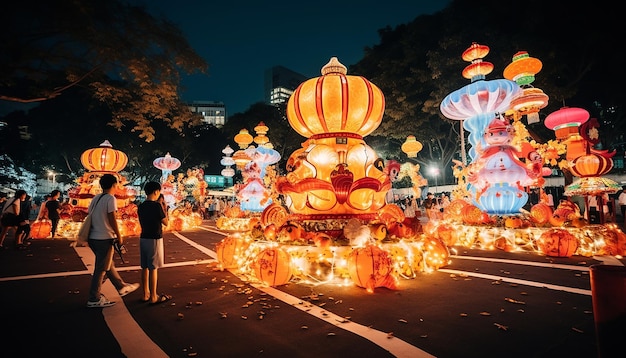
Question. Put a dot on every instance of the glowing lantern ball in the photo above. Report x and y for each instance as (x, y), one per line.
(273, 267)
(591, 165)
(104, 159)
(614, 242)
(557, 243)
(436, 253)
(540, 213)
(565, 122)
(411, 146)
(40, 229)
(371, 267)
(454, 211)
(230, 250)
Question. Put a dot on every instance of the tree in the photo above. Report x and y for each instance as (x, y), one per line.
(126, 58)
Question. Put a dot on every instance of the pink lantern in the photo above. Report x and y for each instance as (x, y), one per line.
(565, 121)
(167, 164)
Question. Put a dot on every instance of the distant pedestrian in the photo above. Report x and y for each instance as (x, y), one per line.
(53, 208)
(22, 234)
(103, 234)
(152, 217)
(11, 214)
(621, 201)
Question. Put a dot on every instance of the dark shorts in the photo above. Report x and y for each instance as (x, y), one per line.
(10, 219)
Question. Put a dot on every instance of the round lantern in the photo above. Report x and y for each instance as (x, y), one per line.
(540, 213)
(230, 250)
(273, 267)
(614, 241)
(371, 267)
(454, 211)
(557, 243)
(565, 121)
(411, 146)
(104, 159)
(591, 165)
(436, 253)
(336, 103)
(40, 229)
(243, 138)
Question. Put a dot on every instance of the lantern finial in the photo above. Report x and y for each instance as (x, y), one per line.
(334, 66)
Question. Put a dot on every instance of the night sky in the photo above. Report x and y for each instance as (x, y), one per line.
(241, 39)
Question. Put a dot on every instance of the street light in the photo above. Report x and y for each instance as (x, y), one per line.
(53, 175)
(434, 171)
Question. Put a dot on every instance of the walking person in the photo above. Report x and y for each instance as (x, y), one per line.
(103, 234)
(11, 215)
(621, 201)
(153, 217)
(53, 208)
(22, 234)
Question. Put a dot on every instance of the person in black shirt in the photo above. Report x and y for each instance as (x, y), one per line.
(53, 207)
(22, 234)
(152, 217)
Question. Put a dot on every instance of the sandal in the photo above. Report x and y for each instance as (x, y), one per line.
(162, 299)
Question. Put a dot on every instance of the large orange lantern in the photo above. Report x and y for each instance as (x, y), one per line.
(230, 250)
(40, 229)
(104, 158)
(557, 243)
(336, 103)
(273, 267)
(371, 267)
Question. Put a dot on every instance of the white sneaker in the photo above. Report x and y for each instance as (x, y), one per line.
(101, 303)
(128, 289)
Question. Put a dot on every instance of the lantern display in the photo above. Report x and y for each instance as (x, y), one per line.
(528, 102)
(371, 267)
(104, 158)
(167, 164)
(565, 121)
(557, 243)
(411, 146)
(230, 251)
(436, 253)
(591, 165)
(335, 174)
(40, 229)
(540, 213)
(614, 242)
(272, 266)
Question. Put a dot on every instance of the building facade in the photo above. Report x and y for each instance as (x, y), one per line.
(280, 82)
(212, 112)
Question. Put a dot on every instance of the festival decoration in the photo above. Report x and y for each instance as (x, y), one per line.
(99, 161)
(167, 165)
(528, 102)
(371, 267)
(336, 174)
(227, 161)
(411, 146)
(40, 229)
(231, 252)
(272, 267)
(557, 243)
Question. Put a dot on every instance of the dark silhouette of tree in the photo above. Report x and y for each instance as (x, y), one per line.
(126, 58)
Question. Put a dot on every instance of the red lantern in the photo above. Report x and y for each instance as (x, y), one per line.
(40, 229)
(557, 243)
(371, 267)
(273, 267)
(230, 250)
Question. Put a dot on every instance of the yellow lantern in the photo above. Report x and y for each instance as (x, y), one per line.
(371, 267)
(229, 251)
(261, 131)
(104, 159)
(243, 139)
(411, 146)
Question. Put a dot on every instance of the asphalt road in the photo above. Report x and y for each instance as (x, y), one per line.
(484, 304)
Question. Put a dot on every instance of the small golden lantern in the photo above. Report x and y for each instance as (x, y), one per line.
(411, 146)
(243, 138)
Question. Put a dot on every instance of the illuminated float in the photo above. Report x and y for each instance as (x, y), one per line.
(334, 224)
(167, 165)
(97, 162)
